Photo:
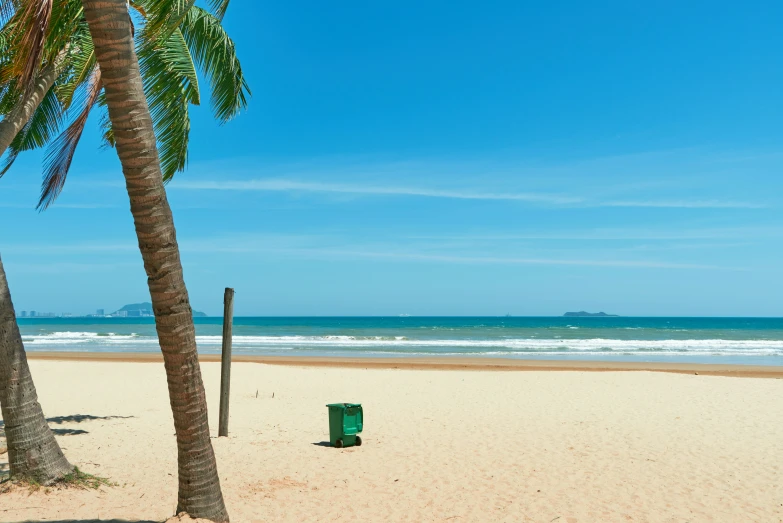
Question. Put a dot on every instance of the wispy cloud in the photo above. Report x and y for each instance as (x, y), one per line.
(401, 255)
(684, 204)
(620, 234)
(71, 268)
(334, 247)
(283, 185)
(643, 264)
(31, 205)
(75, 248)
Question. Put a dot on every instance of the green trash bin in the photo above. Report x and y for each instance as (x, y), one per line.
(346, 421)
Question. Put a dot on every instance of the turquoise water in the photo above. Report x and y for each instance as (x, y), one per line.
(701, 340)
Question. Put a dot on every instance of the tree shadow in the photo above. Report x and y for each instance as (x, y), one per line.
(80, 418)
(68, 432)
(90, 521)
(73, 418)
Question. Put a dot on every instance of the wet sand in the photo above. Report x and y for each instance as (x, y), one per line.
(441, 363)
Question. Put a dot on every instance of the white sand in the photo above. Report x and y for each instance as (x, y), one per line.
(439, 445)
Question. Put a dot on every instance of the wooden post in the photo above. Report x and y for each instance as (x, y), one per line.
(225, 365)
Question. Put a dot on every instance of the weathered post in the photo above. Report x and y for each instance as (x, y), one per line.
(225, 365)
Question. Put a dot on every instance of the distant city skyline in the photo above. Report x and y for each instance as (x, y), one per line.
(100, 313)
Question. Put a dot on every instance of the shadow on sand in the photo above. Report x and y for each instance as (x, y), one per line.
(81, 418)
(69, 432)
(90, 521)
(73, 418)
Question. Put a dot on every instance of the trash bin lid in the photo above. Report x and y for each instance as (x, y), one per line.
(344, 405)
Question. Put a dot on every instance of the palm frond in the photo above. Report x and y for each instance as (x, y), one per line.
(163, 17)
(8, 97)
(175, 57)
(80, 64)
(39, 33)
(219, 8)
(67, 28)
(214, 53)
(7, 10)
(6, 34)
(9, 36)
(60, 153)
(138, 7)
(104, 124)
(43, 124)
(170, 85)
(34, 25)
(171, 122)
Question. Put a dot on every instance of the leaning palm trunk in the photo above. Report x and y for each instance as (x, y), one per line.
(20, 114)
(199, 485)
(33, 453)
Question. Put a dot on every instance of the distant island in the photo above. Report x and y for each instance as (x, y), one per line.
(583, 314)
(136, 310)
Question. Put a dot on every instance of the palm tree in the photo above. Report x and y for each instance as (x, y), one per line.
(199, 485)
(176, 39)
(33, 453)
(176, 36)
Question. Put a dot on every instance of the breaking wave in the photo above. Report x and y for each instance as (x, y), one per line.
(378, 345)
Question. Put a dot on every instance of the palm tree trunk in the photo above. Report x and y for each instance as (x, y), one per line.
(20, 114)
(199, 485)
(33, 453)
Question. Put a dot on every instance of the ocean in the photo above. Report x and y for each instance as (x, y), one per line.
(757, 341)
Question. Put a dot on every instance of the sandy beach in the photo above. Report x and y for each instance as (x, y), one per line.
(446, 443)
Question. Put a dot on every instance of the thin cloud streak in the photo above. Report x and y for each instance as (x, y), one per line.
(281, 185)
(685, 204)
(31, 206)
(76, 248)
(403, 255)
(538, 261)
(727, 233)
(255, 245)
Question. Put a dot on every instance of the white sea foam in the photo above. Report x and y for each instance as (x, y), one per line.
(400, 344)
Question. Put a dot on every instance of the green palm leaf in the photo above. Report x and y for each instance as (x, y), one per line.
(170, 84)
(8, 97)
(61, 151)
(219, 8)
(104, 124)
(7, 10)
(67, 29)
(163, 17)
(177, 42)
(30, 37)
(214, 53)
(81, 62)
(38, 131)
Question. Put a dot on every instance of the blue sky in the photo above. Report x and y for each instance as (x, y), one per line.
(453, 158)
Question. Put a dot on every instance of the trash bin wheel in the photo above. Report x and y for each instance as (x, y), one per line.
(338, 444)
(358, 441)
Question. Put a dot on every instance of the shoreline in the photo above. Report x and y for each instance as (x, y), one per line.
(439, 363)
